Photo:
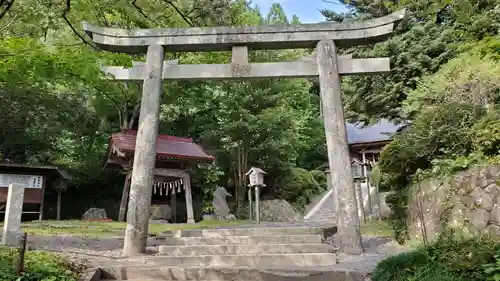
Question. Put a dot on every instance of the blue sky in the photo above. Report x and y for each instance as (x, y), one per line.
(306, 10)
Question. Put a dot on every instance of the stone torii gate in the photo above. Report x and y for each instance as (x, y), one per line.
(325, 37)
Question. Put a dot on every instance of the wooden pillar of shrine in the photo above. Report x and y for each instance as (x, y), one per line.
(188, 194)
(123, 204)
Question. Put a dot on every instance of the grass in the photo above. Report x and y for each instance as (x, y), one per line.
(103, 229)
(380, 228)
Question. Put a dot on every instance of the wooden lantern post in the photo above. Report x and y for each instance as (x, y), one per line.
(256, 179)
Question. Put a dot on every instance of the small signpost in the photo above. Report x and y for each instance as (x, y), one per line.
(256, 178)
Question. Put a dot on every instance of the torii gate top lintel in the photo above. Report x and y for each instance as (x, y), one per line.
(208, 39)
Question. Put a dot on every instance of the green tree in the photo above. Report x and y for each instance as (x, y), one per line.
(420, 47)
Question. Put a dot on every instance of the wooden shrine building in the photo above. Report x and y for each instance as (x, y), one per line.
(175, 157)
(37, 180)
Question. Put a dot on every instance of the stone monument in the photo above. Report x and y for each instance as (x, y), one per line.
(221, 209)
(13, 212)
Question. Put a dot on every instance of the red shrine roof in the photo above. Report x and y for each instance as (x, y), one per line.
(166, 146)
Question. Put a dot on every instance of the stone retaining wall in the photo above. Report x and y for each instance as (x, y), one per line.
(469, 200)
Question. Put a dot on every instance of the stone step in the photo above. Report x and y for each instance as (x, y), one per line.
(242, 231)
(148, 273)
(307, 259)
(244, 240)
(199, 250)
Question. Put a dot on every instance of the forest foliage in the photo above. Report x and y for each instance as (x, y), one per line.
(58, 108)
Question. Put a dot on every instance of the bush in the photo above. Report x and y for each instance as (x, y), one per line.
(464, 256)
(414, 266)
(299, 186)
(39, 266)
(449, 258)
(400, 267)
(320, 178)
(487, 134)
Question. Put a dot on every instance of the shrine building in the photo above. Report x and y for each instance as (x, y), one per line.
(175, 158)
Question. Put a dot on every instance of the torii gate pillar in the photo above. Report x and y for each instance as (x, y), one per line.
(136, 232)
(337, 145)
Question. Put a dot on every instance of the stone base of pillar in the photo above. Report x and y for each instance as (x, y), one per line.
(12, 238)
(191, 221)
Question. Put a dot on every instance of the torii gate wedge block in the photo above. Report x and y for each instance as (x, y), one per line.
(325, 37)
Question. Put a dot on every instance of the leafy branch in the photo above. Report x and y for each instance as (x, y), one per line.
(6, 4)
(66, 10)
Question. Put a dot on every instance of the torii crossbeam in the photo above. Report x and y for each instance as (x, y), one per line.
(327, 66)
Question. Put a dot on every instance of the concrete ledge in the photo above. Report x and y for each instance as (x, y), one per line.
(256, 37)
(223, 274)
(91, 274)
(255, 231)
(244, 240)
(255, 260)
(190, 250)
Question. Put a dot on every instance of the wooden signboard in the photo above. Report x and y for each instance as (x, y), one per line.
(33, 184)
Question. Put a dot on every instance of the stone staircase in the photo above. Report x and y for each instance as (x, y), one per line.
(251, 253)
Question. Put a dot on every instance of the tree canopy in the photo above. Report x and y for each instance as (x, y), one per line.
(58, 108)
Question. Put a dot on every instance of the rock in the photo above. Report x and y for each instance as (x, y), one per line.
(482, 199)
(493, 230)
(278, 210)
(465, 181)
(229, 217)
(94, 213)
(479, 219)
(493, 190)
(483, 178)
(493, 173)
(468, 201)
(219, 202)
(479, 177)
(160, 212)
(495, 214)
(457, 216)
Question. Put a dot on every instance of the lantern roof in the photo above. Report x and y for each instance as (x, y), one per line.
(255, 170)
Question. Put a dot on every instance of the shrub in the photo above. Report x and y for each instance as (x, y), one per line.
(450, 258)
(299, 186)
(464, 256)
(492, 270)
(400, 267)
(320, 178)
(39, 266)
(487, 134)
